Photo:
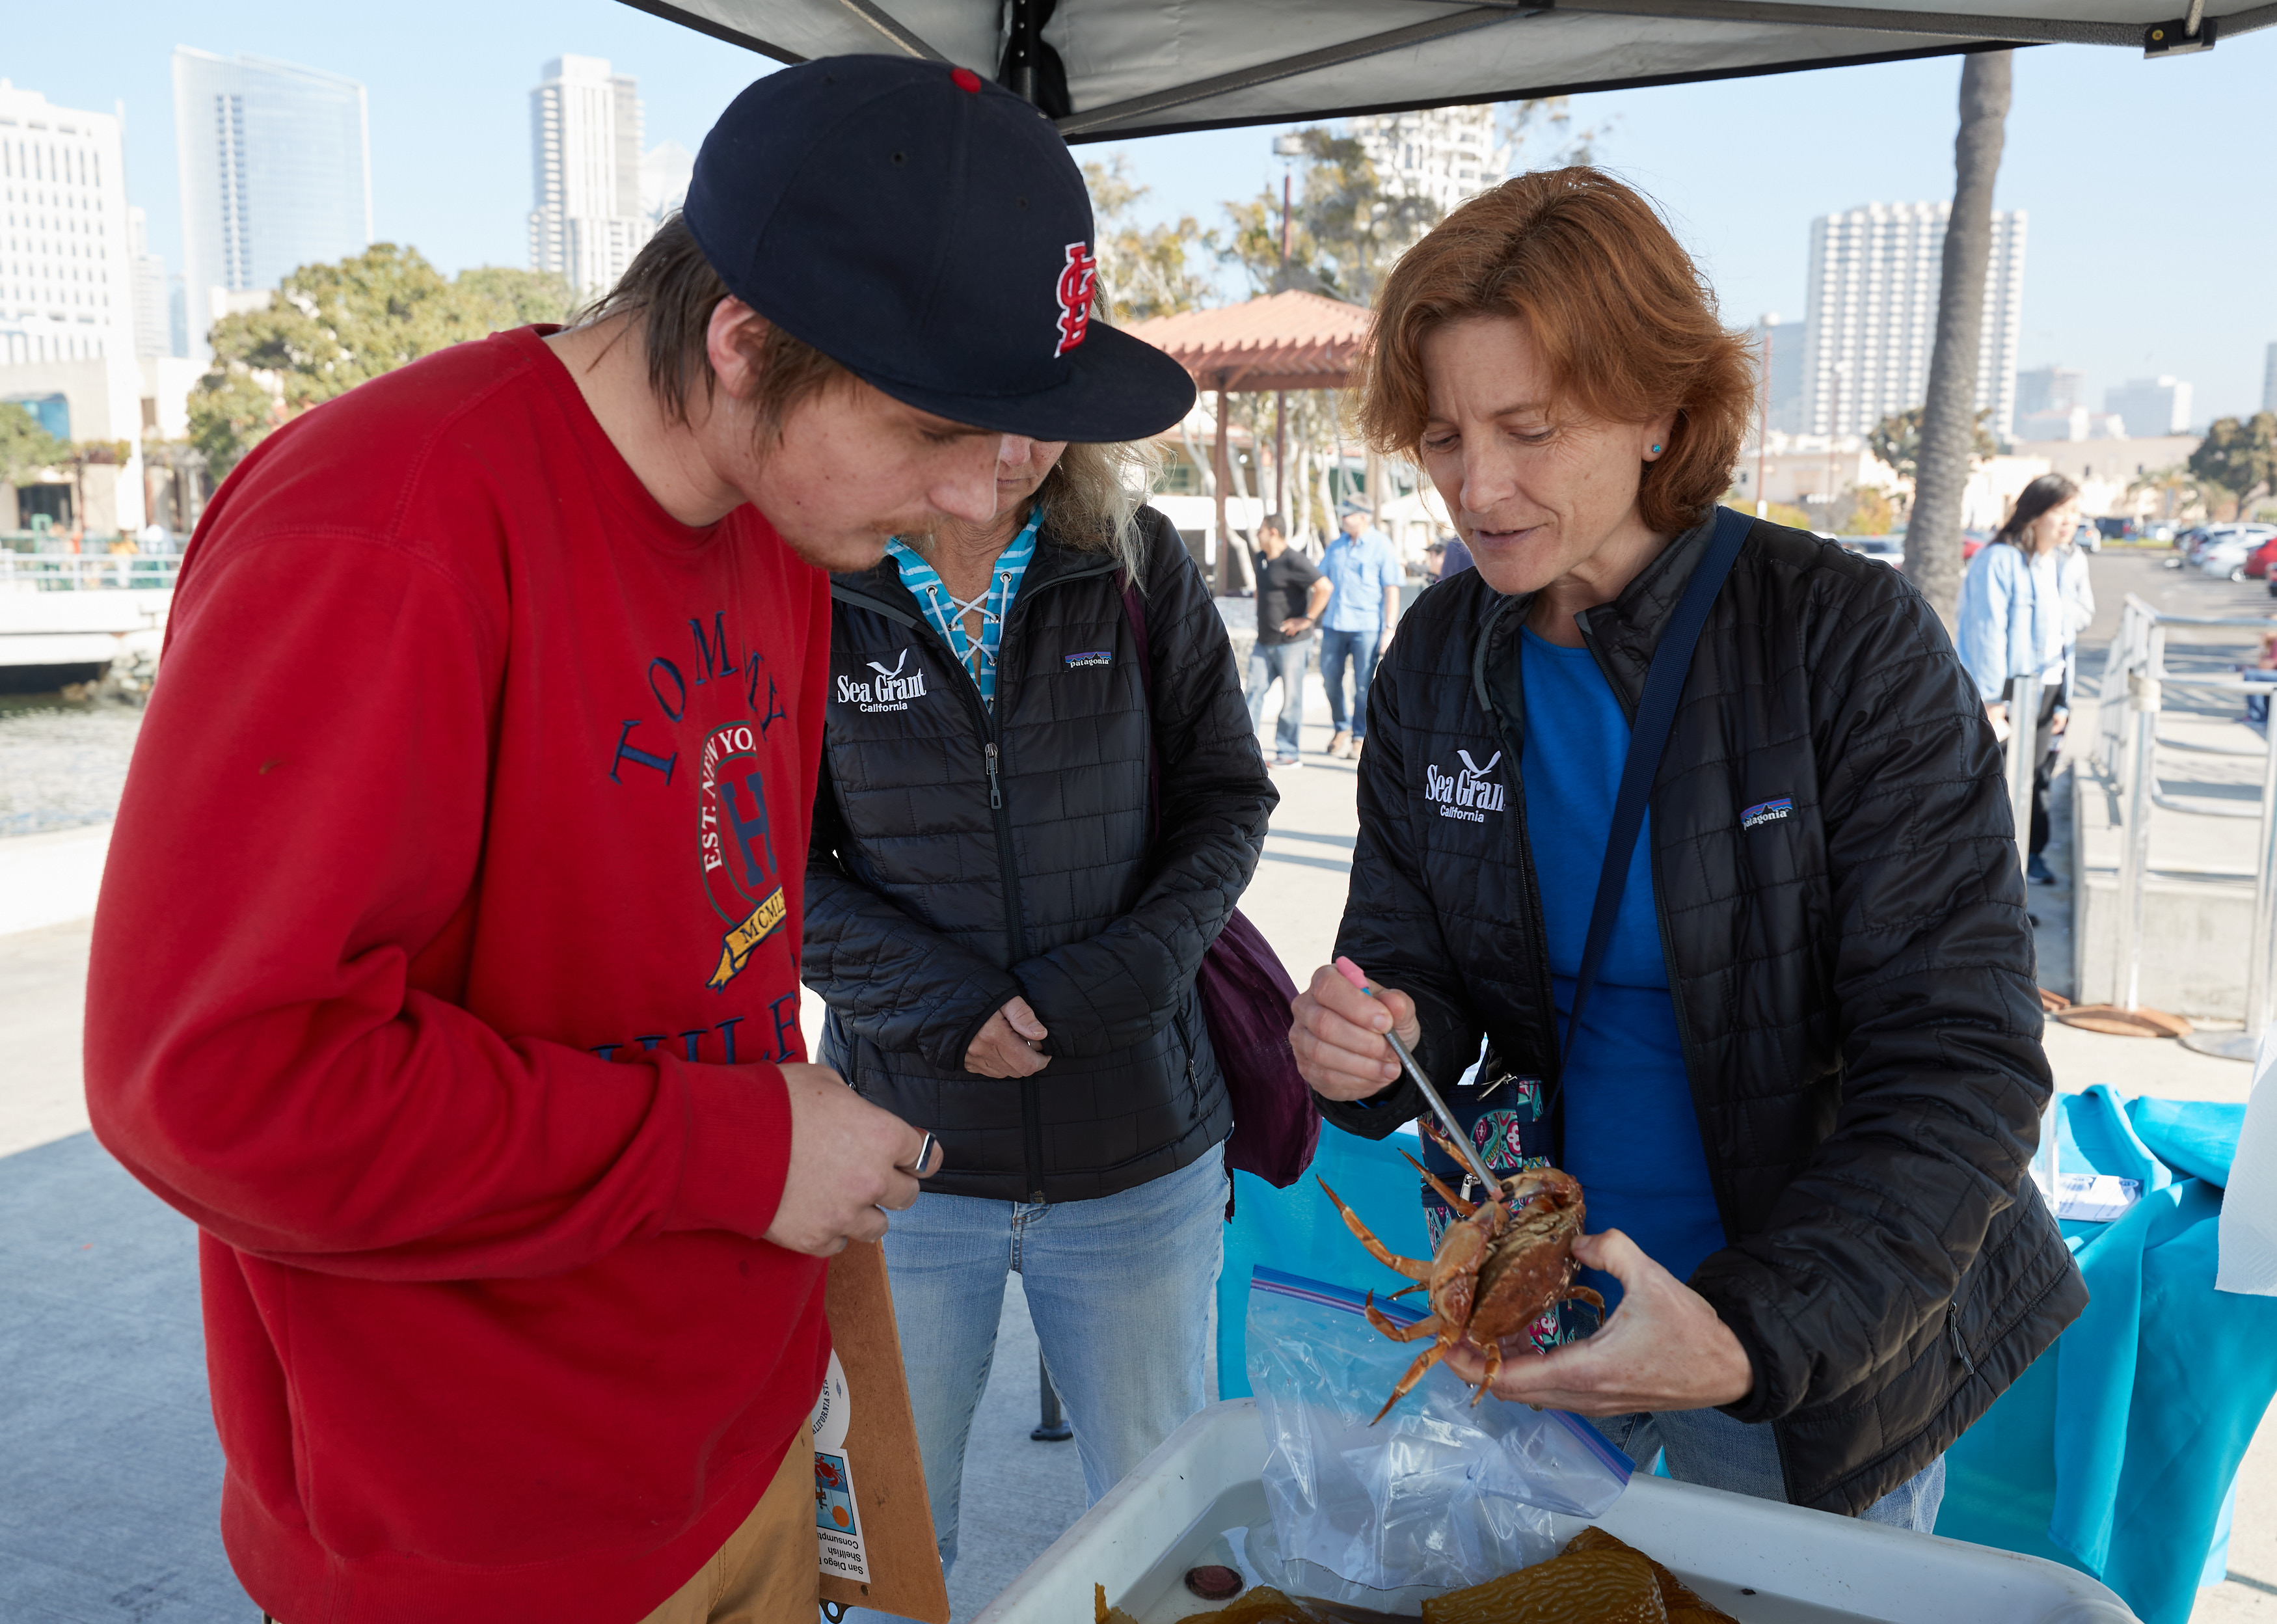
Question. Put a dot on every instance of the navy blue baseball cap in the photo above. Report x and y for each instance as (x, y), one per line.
(930, 231)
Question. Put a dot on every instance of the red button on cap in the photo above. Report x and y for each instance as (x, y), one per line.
(966, 80)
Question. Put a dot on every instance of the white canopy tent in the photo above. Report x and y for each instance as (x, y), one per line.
(1113, 69)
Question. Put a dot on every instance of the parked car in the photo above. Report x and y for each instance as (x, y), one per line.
(2222, 554)
(2088, 539)
(1888, 549)
(1972, 542)
(2116, 530)
(2258, 563)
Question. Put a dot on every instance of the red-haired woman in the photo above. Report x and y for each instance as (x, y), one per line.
(1806, 1079)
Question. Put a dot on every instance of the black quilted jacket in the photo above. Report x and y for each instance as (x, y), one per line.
(961, 859)
(1853, 980)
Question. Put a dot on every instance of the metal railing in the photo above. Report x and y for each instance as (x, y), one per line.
(2134, 688)
(71, 572)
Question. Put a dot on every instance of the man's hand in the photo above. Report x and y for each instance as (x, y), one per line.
(2062, 720)
(847, 1160)
(1663, 1349)
(1296, 626)
(1006, 1046)
(1996, 709)
(1339, 1035)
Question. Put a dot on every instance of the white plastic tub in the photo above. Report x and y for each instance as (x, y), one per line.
(1761, 1562)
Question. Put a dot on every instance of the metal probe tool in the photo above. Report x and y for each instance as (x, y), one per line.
(1460, 1139)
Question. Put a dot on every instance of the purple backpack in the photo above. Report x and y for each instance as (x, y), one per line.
(1246, 998)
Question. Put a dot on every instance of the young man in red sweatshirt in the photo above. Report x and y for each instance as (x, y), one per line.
(446, 970)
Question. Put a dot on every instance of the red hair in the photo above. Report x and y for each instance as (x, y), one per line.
(1623, 318)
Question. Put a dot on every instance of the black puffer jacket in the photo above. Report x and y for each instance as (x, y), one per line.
(961, 859)
(1853, 980)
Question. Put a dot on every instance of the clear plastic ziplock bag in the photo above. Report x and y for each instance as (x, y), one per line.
(1437, 1495)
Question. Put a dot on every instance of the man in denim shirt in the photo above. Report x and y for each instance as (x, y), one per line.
(1365, 573)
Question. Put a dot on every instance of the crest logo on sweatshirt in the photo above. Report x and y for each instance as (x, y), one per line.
(1468, 793)
(736, 847)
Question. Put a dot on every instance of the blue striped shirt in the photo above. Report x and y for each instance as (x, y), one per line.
(948, 613)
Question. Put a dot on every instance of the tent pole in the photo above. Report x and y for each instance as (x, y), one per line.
(1222, 473)
(1281, 457)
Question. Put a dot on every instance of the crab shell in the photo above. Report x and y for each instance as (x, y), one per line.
(1529, 1265)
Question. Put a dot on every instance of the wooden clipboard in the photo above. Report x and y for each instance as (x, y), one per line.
(871, 1511)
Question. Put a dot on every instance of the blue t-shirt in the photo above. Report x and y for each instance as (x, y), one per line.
(1360, 569)
(1631, 1136)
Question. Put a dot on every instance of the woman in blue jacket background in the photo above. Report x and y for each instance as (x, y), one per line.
(2016, 619)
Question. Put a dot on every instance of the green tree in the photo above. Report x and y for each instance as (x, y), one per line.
(500, 297)
(1895, 441)
(328, 328)
(26, 447)
(1147, 271)
(2239, 456)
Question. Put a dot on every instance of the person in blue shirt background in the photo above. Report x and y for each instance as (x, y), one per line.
(2017, 618)
(1364, 570)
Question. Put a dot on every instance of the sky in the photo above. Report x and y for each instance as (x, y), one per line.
(2149, 248)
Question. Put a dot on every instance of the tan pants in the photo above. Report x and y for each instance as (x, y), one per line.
(770, 1570)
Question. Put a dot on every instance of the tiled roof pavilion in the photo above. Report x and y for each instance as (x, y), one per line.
(1290, 340)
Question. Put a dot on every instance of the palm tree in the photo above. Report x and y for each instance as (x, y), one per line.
(1949, 415)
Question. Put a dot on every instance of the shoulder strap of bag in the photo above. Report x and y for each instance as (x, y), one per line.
(1656, 715)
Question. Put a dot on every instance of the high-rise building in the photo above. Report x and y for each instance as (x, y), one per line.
(1875, 275)
(2269, 381)
(1782, 384)
(66, 274)
(276, 173)
(1445, 154)
(586, 221)
(665, 171)
(152, 334)
(2152, 406)
(2050, 389)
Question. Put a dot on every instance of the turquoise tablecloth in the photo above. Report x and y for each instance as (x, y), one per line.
(2114, 1453)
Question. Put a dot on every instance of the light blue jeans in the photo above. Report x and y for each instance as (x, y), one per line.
(1709, 1448)
(1283, 662)
(1361, 649)
(1119, 1289)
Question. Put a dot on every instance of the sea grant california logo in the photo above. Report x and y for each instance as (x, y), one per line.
(736, 847)
(1767, 811)
(888, 690)
(1074, 291)
(1468, 794)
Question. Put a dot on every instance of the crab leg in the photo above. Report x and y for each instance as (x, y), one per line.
(1582, 1294)
(1463, 1208)
(1494, 1368)
(1413, 1268)
(1424, 1361)
(1429, 1325)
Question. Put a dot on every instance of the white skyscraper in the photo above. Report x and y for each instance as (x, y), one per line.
(2269, 381)
(1443, 153)
(2152, 406)
(152, 336)
(586, 220)
(276, 173)
(1875, 275)
(66, 274)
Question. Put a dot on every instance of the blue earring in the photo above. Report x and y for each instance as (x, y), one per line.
(1656, 451)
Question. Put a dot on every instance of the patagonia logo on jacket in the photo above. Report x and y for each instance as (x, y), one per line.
(1767, 811)
(889, 689)
(1467, 794)
(1093, 657)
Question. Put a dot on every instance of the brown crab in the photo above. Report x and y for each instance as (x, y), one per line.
(1502, 1263)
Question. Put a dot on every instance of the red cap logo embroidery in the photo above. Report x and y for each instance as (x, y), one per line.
(1075, 279)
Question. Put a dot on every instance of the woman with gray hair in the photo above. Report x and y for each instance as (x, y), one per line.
(1007, 932)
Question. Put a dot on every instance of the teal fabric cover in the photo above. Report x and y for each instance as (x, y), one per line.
(2117, 1455)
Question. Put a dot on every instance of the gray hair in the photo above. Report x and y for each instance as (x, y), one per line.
(1092, 498)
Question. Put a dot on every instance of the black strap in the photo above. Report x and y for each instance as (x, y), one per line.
(1656, 715)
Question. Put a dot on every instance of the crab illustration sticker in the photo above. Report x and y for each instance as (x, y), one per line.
(837, 1525)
